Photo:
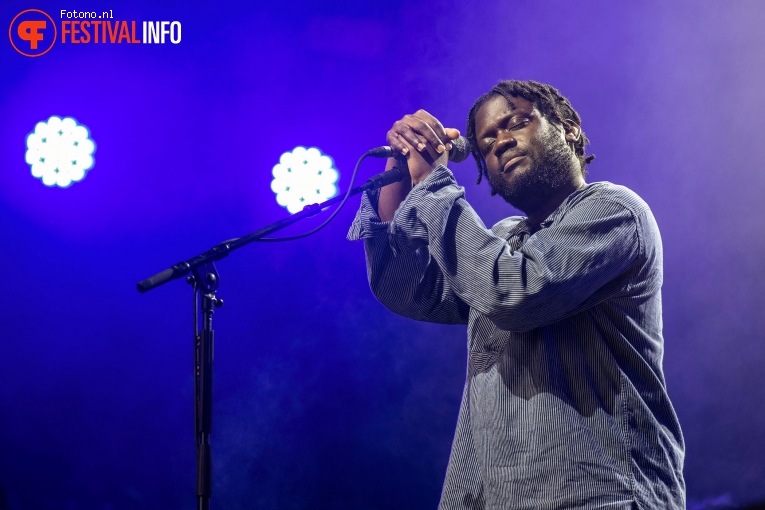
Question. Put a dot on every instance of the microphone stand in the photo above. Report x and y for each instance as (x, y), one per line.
(205, 280)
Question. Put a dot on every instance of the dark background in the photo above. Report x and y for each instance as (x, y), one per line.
(324, 399)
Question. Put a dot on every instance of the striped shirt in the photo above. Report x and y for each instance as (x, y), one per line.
(565, 404)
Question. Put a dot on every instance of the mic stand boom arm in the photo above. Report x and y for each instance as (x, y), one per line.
(222, 250)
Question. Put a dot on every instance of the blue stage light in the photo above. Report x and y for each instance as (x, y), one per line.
(60, 151)
(303, 177)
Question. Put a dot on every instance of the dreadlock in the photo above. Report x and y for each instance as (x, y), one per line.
(550, 103)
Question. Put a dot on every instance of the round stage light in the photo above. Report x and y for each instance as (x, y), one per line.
(60, 151)
(303, 177)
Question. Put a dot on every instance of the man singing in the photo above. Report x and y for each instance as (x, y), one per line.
(565, 404)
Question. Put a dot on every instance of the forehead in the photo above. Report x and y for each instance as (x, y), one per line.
(497, 107)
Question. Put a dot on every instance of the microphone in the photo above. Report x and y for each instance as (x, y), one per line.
(459, 151)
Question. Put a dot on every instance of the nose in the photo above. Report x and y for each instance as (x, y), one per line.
(504, 141)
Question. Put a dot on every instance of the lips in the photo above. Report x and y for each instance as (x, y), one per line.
(510, 163)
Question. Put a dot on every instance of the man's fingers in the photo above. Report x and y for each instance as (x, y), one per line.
(411, 130)
(432, 130)
(420, 131)
(425, 134)
(406, 147)
(402, 138)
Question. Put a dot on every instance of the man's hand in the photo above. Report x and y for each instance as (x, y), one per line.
(423, 141)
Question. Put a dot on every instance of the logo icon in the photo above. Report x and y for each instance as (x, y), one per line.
(32, 33)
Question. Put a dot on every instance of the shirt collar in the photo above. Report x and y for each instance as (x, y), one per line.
(557, 214)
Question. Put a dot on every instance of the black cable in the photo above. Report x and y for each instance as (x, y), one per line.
(331, 216)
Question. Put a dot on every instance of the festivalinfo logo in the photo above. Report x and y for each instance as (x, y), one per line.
(34, 32)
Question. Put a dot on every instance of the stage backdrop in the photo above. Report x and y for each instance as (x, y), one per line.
(323, 398)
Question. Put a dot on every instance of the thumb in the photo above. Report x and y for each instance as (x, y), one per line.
(452, 133)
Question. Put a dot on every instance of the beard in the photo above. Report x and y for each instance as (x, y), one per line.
(550, 170)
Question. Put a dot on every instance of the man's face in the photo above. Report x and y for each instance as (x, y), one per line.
(526, 156)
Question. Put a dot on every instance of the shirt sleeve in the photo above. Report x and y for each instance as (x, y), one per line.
(581, 259)
(408, 282)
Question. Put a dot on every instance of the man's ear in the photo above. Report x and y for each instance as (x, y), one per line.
(573, 131)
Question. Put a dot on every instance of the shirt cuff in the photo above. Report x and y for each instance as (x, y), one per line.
(367, 222)
(425, 210)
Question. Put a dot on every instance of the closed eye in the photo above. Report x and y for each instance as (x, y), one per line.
(515, 127)
(487, 148)
(520, 125)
